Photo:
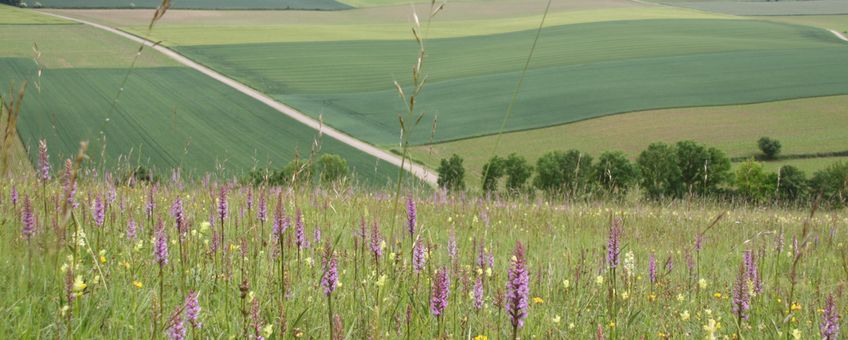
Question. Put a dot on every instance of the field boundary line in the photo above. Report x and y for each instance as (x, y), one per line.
(416, 169)
(838, 35)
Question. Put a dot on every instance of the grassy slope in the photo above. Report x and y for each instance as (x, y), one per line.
(163, 110)
(579, 72)
(834, 22)
(818, 7)
(803, 126)
(272, 29)
(199, 4)
(14, 16)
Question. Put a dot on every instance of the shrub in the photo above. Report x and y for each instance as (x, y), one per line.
(832, 183)
(451, 173)
(614, 173)
(518, 171)
(752, 183)
(660, 171)
(493, 170)
(332, 168)
(791, 184)
(563, 172)
(297, 171)
(769, 147)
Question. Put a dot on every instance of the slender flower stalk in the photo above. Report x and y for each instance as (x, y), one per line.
(741, 300)
(418, 258)
(478, 294)
(99, 211)
(192, 309)
(652, 269)
(131, 229)
(329, 280)
(27, 219)
(517, 290)
(411, 216)
(43, 161)
(440, 293)
(829, 326)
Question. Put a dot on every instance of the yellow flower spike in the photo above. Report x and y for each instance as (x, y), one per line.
(79, 284)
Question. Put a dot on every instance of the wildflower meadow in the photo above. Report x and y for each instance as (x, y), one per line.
(86, 254)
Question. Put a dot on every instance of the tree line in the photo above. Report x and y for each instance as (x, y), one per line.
(662, 171)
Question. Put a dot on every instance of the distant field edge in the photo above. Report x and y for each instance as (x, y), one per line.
(494, 134)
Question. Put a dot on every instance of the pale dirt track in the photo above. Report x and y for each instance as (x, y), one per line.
(419, 171)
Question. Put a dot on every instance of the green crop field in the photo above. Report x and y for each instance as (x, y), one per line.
(816, 7)
(803, 126)
(838, 23)
(578, 72)
(166, 116)
(14, 16)
(195, 4)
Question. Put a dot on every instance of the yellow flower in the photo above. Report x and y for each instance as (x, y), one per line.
(796, 334)
(702, 283)
(79, 284)
(102, 259)
(652, 297)
(537, 300)
(625, 295)
(556, 319)
(267, 330)
(481, 337)
(685, 315)
(680, 297)
(717, 295)
(795, 307)
(138, 284)
(381, 281)
(599, 280)
(566, 284)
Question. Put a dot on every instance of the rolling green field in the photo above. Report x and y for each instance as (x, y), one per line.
(838, 23)
(167, 116)
(197, 4)
(816, 7)
(578, 72)
(802, 125)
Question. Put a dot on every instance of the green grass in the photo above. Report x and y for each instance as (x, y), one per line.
(167, 117)
(565, 256)
(809, 165)
(75, 46)
(233, 28)
(838, 23)
(15, 16)
(198, 4)
(803, 126)
(579, 72)
(818, 7)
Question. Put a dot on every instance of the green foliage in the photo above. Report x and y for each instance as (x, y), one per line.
(792, 185)
(518, 171)
(563, 172)
(661, 175)
(492, 171)
(614, 173)
(832, 183)
(702, 169)
(332, 168)
(753, 184)
(200, 4)
(769, 147)
(452, 174)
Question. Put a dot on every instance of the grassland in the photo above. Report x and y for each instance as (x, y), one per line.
(332, 27)
(802, 125)
(167, 116)
(197, 4)
(14, 16)
(818, 7)
(99, 275)
(837, 23)
(700, 62)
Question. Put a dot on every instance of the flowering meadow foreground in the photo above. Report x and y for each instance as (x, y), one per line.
(85, 255)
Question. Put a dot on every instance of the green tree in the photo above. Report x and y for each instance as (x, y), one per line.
(792, 184)
(702, 169)
(518, 171)
(451, 173)
(614, 173)
(832, 183)
(566, 172)
(661, 176)
(769, 147)
(332, 168)
(492, 172)
(754, 184)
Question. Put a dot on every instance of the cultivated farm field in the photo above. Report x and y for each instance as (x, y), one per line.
(197, 4)
(161, 119)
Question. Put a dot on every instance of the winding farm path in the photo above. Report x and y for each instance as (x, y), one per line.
(419, 171)
(839, 35)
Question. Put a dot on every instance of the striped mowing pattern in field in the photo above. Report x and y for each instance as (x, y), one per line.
(166, 117)
(200, 4)
(578, 72)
